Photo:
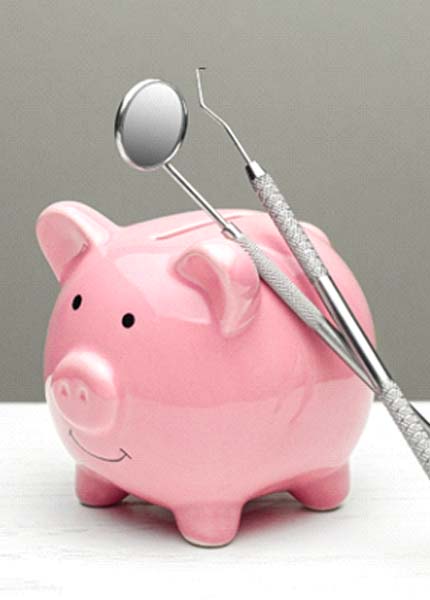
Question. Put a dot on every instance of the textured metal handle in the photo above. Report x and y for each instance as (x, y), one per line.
(289, 227)
(409, 422)
(281, 284)
(293, 297)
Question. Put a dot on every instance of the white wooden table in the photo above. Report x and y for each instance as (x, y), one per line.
(51, 546)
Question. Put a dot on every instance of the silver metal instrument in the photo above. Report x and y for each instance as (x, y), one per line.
(414, 427)
(150, 127)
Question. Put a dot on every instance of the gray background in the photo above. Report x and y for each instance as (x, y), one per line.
(333, 97)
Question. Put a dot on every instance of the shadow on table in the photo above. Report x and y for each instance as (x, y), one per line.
(273, 511)
(267, 512)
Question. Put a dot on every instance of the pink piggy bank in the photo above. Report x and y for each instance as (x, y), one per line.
(175, 374)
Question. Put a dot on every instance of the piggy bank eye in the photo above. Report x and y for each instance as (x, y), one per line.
(77, 301)
(128, 320)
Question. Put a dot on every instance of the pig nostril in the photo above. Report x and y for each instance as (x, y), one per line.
(64, 390)
(83, 397)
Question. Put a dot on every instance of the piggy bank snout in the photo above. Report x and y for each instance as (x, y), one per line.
(83, 390)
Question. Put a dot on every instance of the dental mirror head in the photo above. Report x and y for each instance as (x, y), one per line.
(150, 124)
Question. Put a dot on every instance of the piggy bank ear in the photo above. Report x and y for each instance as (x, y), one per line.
(66, 230)
(227, 277)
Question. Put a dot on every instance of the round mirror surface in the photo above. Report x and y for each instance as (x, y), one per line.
(150, 124)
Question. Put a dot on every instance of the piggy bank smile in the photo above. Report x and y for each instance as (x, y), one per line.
(58, 393)
(123, 454)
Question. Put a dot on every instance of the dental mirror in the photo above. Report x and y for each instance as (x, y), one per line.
(150, 126)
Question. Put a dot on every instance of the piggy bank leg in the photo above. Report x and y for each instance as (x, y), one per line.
(93, 490)
(208, 525)
(323, 493)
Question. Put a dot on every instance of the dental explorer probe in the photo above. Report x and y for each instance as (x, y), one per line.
(150, 126)
(413, 426)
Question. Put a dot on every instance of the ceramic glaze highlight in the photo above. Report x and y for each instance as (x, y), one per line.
(174, 374)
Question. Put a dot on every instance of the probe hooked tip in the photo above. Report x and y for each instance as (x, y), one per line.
(217, 118)
(199, 86)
